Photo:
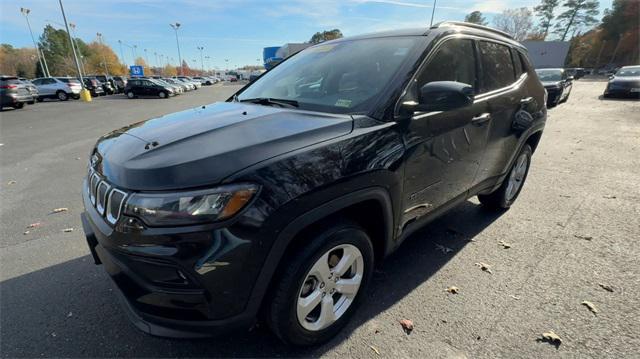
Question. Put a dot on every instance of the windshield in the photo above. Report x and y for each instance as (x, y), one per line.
(342, 77)
(549, 75)
(629, 72)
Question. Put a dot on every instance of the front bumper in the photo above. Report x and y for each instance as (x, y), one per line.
(620, 91)
(176, 282)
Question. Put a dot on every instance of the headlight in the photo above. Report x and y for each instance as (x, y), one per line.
(182, 208)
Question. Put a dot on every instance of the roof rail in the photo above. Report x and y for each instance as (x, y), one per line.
(472, 25)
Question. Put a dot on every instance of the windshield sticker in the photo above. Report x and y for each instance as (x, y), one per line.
(343, 103)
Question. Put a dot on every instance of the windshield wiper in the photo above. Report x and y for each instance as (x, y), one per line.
(272, 101)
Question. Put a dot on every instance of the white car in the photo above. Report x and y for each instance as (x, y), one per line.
(57, 87)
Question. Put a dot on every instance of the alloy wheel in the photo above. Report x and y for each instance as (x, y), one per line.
(330, 287)
(516, 177)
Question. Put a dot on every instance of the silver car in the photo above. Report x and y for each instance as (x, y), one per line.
(57, 87)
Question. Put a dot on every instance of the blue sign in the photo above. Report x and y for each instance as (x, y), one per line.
(136, 71)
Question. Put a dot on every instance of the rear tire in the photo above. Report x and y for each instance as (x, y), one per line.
(62, 96)
(508, 192)
(163, 94)
(321, 273)
(18, 105)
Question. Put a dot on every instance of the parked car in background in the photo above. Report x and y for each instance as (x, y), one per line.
(185, 87)
(177, 90)
(14, 92)
(190, 84)
(147, 88)
(557, 83)
(61, 88)
(625, 82)
(33, 90)
(94, 86)
(576, 72)
(120, 83)
(204, 80)
(108, 84)
(197, 84)
(281, 200)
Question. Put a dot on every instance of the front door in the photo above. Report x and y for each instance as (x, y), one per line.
(444, 149)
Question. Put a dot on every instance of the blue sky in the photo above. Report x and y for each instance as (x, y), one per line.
(233, 29)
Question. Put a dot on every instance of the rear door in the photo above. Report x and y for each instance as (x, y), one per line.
(444, 149)
(503, 90)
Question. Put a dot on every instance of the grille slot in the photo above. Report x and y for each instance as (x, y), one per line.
(101, 197)
(114, 205)
(93, 185)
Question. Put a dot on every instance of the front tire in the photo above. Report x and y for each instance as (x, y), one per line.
(18, 105)
(163, 94)
(130, 94)
(62, 96)
(322, 285)
(508, 192)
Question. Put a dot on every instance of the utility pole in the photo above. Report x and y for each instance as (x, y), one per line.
(84, 94)
(433, 11)
(175, 27)
(104, 57)
(201, 58)
(26, 12)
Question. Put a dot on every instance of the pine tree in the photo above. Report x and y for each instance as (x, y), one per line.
(579, 13)
(545, 11)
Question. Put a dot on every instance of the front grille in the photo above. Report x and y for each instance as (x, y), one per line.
(106, 199)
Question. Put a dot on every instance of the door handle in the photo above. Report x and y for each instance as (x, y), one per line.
(526, 100)
(481, 119)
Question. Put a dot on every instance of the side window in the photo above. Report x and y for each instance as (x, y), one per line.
(36, 82)
(50, 81)
(526, 65)
(454, 61)
(516, 62)
(497, 66)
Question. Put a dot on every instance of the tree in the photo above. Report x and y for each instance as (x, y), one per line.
(98, 53)
(21, 62)
(476, 18)
(545, 11)
(516, 22)
(579, 13)
(319, 37)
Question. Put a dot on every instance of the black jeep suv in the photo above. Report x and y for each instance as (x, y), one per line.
(283, 198)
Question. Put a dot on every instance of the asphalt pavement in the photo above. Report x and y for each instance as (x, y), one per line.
(572, 237)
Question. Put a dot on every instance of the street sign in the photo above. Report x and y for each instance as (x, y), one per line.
(136, 71)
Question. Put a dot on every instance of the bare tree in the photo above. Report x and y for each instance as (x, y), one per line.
(516, 22)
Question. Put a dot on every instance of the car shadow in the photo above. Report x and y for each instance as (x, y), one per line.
(72, 309)
(620, 99)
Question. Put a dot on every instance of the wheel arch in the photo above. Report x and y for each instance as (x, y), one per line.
(356, 206)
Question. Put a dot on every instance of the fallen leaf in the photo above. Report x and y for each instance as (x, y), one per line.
(591, 307)
(374, 349)
(453, 290)
(67, 230)
(34, 225)
(78, 158)
(606, 287)
(407, 325)
(565, 196)
(443, 249)
(552, 338)
(70, 315)
(609, 197)
(505, 244)
(586, 238)
(515, 297)
(61, 209)
(26, 232)
(485, 267)
(11, 182)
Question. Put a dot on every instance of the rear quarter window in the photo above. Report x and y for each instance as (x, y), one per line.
(497, 66)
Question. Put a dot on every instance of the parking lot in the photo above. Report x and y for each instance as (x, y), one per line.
(572, 236)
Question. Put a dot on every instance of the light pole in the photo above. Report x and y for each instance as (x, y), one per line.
(26, 12)
(146, 58)
(175, 27)
(122, 53)
(226, 64)
(135, 53)
(208, 65)
(104, 57)
(84, 93)
(75, 40)
(433, 11)
(201, 58)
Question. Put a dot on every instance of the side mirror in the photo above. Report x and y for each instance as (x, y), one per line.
(444, 96)
(570, 78)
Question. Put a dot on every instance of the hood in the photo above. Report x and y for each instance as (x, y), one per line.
(551, 84)
(202, 146)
